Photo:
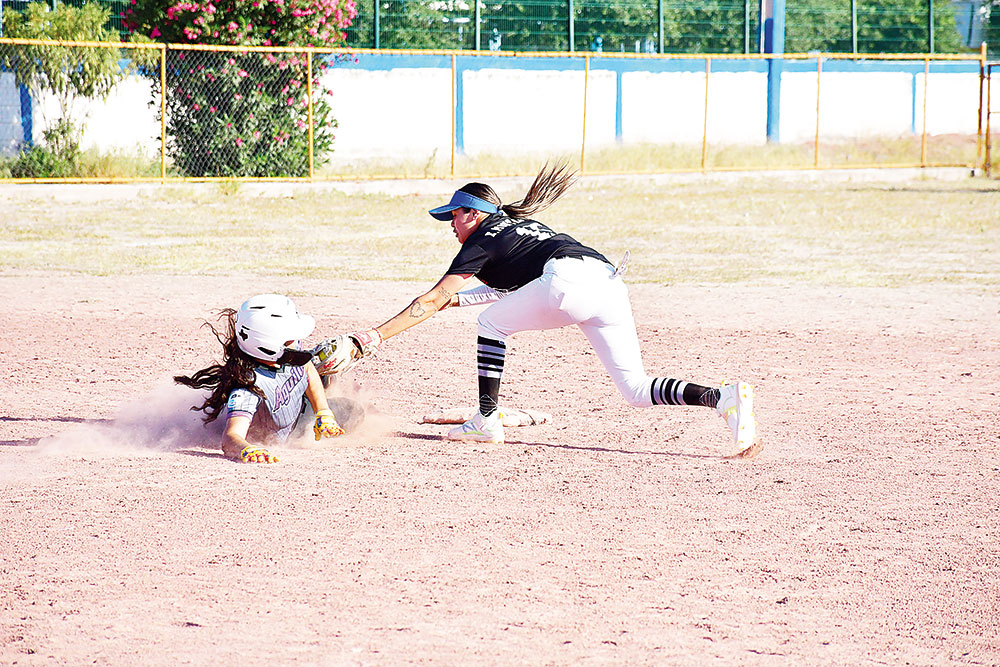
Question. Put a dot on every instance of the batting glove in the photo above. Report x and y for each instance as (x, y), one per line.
(326, 425)
(251, 454)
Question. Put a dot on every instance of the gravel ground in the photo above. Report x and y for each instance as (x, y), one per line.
(865, 532)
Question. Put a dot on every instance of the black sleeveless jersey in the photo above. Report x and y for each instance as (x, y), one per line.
(508, 253)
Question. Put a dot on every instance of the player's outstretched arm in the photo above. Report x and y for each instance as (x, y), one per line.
(424, 306)
(236, 447)
(326, 425)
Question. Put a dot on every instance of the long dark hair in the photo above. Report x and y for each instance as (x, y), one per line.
(549, 185)
(235, 372)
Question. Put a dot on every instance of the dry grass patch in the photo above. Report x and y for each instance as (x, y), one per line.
(753, 229)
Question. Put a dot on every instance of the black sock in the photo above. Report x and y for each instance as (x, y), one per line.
(490, 356)
(667, 391)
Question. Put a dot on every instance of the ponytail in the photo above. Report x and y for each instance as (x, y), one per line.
(549, 185)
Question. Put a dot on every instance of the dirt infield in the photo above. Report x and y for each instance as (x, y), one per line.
(866, 531)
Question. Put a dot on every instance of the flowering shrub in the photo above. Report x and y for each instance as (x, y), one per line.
(240, 113)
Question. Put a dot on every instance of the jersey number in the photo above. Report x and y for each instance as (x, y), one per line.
(534, 229)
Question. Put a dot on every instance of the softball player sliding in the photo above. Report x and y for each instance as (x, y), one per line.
(264, 380)
(538, 279)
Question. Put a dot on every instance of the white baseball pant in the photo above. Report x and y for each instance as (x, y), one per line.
(585, 292)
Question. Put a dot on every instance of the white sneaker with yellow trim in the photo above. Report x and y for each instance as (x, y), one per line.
(736, 407)
(480, 429)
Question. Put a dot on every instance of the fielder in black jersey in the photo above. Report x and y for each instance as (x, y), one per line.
(265, 382)
(535, 278)
(507, 253)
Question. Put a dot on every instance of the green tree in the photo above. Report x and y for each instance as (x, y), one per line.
(989, 13)
(69, 74)
(887, 26)
(712, 26)
(689, 26)
(445, 24)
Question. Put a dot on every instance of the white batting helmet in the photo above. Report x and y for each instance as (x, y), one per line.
(264, 323)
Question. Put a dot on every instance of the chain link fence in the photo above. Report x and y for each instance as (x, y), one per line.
(669, 26)
(226, 113)
(242, 113)
(203, 112)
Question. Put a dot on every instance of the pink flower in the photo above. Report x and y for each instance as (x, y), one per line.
(196, 106)
(256, 135)
(239, 141)
(290, 101)
(212, 110)
(242, 73)
(155, 33)
(238, 96)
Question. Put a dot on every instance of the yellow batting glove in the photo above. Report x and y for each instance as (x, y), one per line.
(326, 425)
(251, 454)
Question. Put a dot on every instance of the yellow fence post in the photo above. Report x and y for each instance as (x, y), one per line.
(987, 153)
(583, 140)
(979, 118)
(163, 113)
(923, 134)
(704, 125)
(819, 73)
(454, 100)
(309, 94)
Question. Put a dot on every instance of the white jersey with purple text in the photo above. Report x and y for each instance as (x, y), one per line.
(284, 401)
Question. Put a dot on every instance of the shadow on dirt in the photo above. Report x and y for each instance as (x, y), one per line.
(28, 442)
(75, 420)
(608, 450)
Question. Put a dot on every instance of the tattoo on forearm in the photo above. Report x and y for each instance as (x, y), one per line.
(445, 293)
(416, 310)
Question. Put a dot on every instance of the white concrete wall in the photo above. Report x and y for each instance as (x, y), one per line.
(536, 111)
(407, 111)
(390, 113)
(877, 104)
(952, 103)
(669, 107)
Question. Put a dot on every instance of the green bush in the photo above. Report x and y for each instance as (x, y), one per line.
(41, 162)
